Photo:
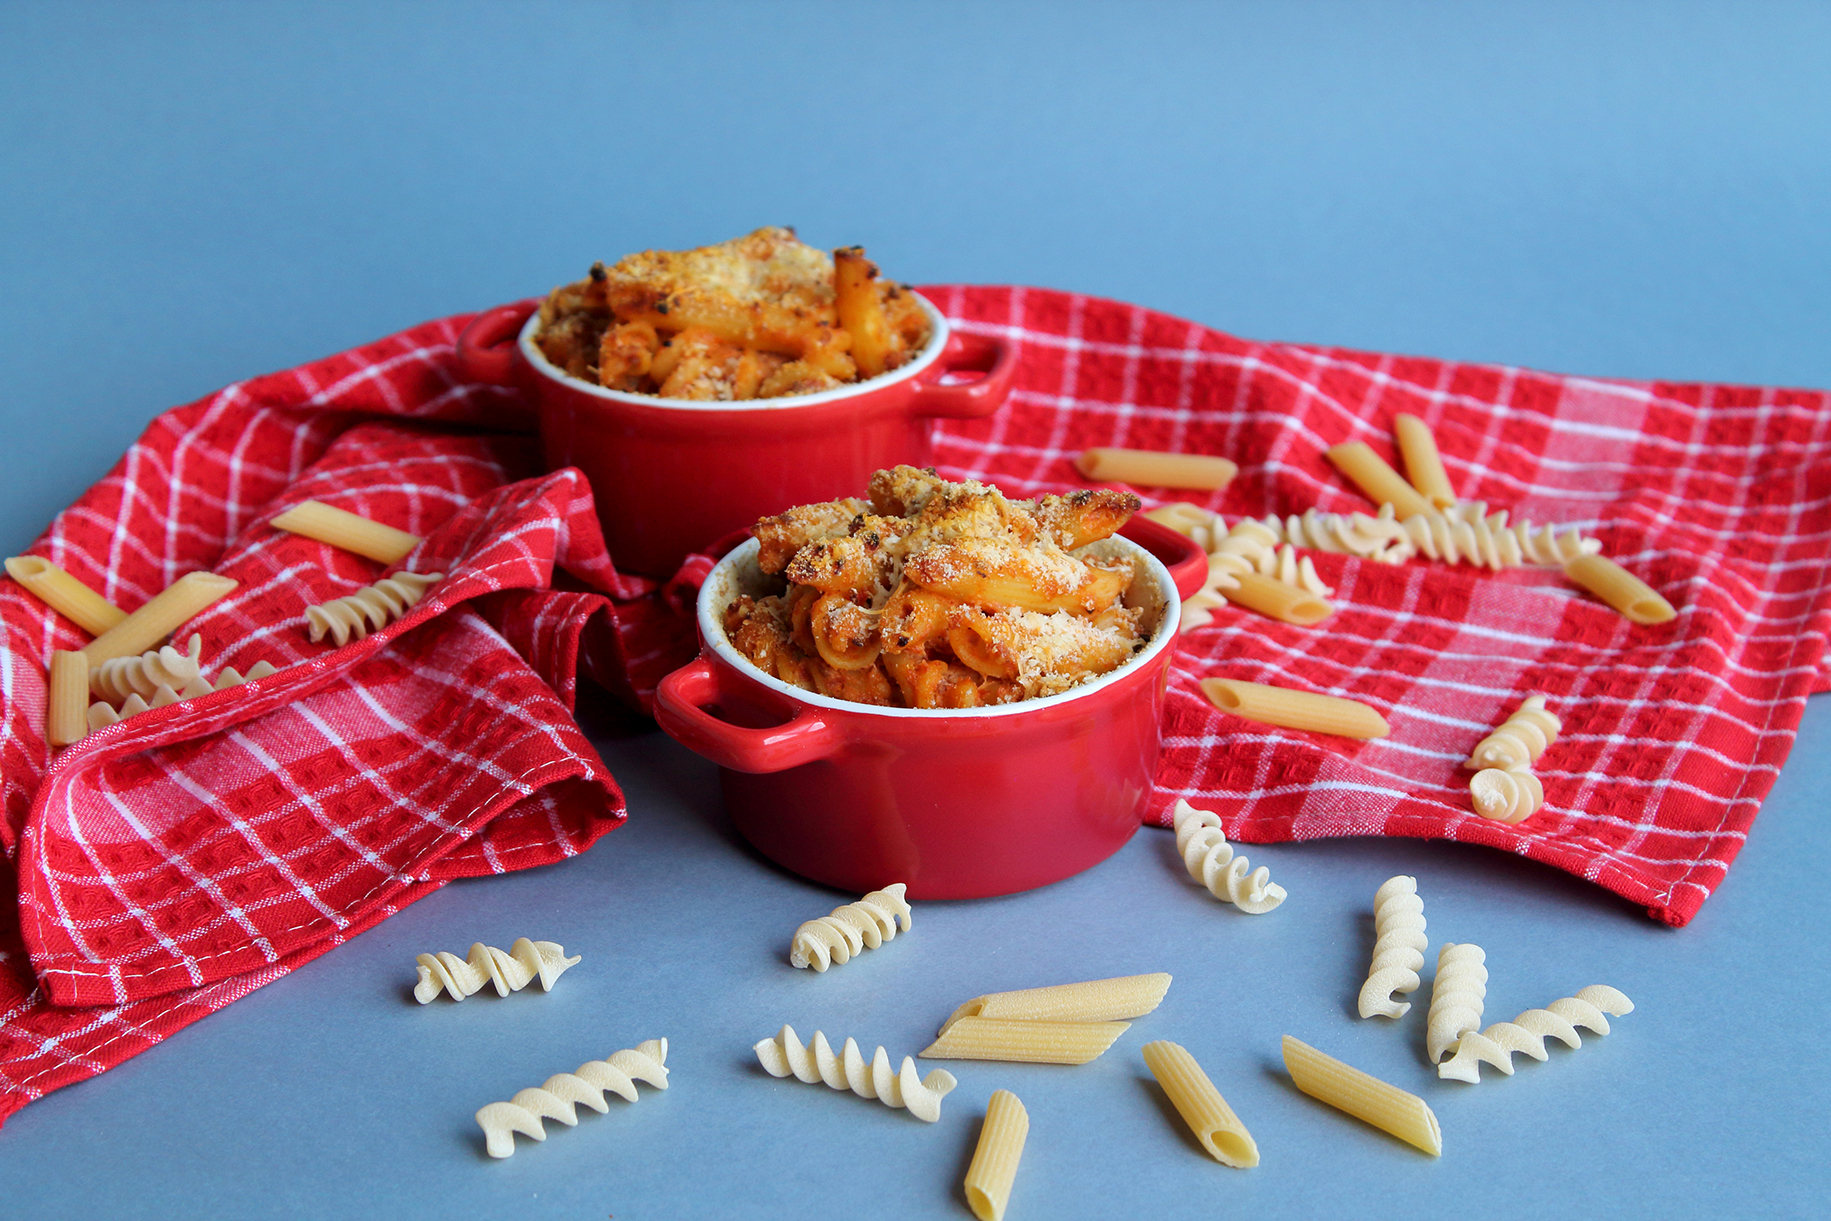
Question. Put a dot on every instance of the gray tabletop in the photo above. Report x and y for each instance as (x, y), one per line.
(191, 194)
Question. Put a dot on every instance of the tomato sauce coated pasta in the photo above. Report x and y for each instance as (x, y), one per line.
(933, 594)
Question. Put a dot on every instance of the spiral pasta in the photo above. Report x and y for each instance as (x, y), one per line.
(1506, 794)
(143, 674)
(851, 929)
(1211, 860)
(1520, 739)
(368, 609)
(559, 1097)
(786, 1054)
(1466, 533)
(1378, 538)
(1398, 948)
(102, 713)
(1456, 997)
(511, 972)
(1526, 1034)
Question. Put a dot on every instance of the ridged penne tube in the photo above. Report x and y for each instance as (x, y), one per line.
(1620, 588)
(1456, 997)
(995, 1158)
(1520, 739)
(67, 702)
(1526, 1034)
(1293, 709)
(1398, 948)
(559, 1097)
(65, 594)
(1276, 600)
(1366, 1097)
(1154, 468)
(347, 531)
(153, 622)
(849, 1070)
(1369, 472)
(1423, 462)
(1201, 1105)
(1021, 1042)
(1095, 1000)
(851, 928)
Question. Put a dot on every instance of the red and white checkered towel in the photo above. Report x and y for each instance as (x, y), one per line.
(1718, 496)
(169, 865)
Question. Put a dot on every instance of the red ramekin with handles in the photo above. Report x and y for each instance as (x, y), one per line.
(957, 804)
(670, 476)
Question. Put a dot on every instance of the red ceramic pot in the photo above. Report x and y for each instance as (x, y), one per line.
(957, 804)
(670, 476)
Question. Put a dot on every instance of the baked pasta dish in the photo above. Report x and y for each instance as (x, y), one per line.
(760, 316)
(934, 594)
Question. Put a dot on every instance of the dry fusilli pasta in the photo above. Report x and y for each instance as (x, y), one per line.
(786, 1054)
(1466, 533)
(560, 1096)
(1211, 861)
(1456, 997)
(1506, 794)
(1527, 1033)
(510, 972)
(143, 674)
(368, 609)
(1520, 739)
(1398, 948)
(102, 714)
(852, 928)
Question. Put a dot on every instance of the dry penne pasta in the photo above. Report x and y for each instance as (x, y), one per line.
(1292, 709)
(1367, 1098)
(65, 594)
(1157, 469)
(1093, 1000)
(348, 531)
(1369, 472)
(995, 1158)
(1620, 588)
(1423, 462)
(67, 703)
(1023, 1042)
(155, 621)
(1277, 600)
(1201, 1105)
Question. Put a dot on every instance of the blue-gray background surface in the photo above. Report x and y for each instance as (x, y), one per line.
(191, 194)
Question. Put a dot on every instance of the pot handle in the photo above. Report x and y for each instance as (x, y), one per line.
(970, 400)
(486, 348)
(1187, 562)
(679, 710)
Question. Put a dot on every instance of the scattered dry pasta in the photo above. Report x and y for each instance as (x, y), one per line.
(1094, 1000)
(1520, 739)
(511, 972)
(1423, 461)
(786, 1054)
(995, 1158)
(1398, 948)
(1506, 794)
(65, 594)
(368, 609)
(1369, 472)
(101, 713)
(1212, 861)
(1456, 997)
(1201, 1105)
(1621, 589)
(1367, 1098)
(1292, 709)
(144, 673)
(164, 613)
(1154, 468)
(559, 1097)
(1023, 1041)
(852, 928)
(65, 720)
(1526, 1034)
(347, 531)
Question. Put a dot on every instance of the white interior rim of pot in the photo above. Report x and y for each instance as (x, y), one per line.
(712, 630)
(938, 332)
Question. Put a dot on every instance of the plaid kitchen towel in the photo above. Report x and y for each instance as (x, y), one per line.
(1718, 496)
(167, 865)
